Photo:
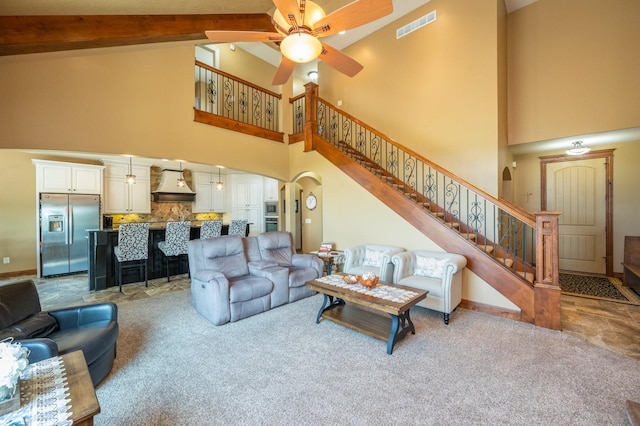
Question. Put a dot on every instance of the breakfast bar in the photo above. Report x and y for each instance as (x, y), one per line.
(102, 269)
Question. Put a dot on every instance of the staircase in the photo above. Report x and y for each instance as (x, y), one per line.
(512, 250)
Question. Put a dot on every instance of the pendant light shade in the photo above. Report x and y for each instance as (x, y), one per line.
(181, 182)
(131, 178)
(219, 184)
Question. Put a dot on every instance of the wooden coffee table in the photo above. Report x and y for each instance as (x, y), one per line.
(365, 313)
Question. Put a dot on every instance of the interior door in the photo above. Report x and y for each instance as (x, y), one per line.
(578, 190)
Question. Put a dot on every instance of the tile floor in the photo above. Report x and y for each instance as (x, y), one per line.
(608, 324)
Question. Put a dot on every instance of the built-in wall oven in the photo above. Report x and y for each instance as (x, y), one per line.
(270, 224)
(271, 208)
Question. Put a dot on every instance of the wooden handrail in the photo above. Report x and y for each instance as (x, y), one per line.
(238, 79)
(295, 98)
(525, 216)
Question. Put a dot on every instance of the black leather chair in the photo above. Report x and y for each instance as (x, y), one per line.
(90, 328)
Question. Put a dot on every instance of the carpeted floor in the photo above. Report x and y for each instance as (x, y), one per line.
(281, 368)
(597, 287)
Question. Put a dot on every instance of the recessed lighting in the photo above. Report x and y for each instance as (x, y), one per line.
(343, 32)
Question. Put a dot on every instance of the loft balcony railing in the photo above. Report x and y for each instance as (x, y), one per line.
(524, 244)
(224, 95)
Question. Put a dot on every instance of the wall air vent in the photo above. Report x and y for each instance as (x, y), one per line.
(412, 26)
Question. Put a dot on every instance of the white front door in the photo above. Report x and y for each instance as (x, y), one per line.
(578, 190)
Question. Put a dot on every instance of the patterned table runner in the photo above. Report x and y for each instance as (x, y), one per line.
(381, 291)
(44, 396)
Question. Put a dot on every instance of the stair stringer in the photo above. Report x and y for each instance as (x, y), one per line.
(519, 291)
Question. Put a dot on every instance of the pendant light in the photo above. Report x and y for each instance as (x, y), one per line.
(181, 182)
(219, 184)
(131, 178)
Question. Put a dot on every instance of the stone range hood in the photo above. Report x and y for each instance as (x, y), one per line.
(169, 191)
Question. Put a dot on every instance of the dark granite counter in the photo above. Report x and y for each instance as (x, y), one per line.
(102, 269)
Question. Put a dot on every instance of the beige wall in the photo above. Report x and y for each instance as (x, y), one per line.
(434, 90)
(625, 191)
(128, 100)
(573, 68)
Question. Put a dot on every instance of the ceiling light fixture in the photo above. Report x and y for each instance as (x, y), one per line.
(578, 149)
(299, 45)
(181, 182)
(131, 178)
(313, 75)
(219, 184)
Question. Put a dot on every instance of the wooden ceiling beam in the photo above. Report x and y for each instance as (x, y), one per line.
(37, 34)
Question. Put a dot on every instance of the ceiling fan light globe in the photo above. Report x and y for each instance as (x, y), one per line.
(312, 14)
(301, 47)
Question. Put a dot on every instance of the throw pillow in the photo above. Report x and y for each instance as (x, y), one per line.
(430, 266)
(372, 257)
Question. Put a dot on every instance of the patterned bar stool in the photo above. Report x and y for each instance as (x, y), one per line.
(175, 244)
(210, 229)
(132, 250)
(238, 227)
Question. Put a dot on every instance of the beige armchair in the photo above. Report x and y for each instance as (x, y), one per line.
(437, 272)
(370, 258)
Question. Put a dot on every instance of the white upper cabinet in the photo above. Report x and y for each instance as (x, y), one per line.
(247, 197)
(60, 177)
(121, 197)
(208, 197)
(270, 189)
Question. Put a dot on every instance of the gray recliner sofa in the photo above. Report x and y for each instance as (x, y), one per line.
(230, 279)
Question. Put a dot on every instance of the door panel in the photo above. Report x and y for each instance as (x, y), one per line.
(577, 189)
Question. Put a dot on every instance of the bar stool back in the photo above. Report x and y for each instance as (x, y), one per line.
(210, 229)
(238, 227)
(132, 250)
(176, 242)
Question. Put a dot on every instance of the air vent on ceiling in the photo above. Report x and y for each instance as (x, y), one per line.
(412, 26)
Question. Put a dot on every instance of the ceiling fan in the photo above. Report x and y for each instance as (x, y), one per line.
(300, 23)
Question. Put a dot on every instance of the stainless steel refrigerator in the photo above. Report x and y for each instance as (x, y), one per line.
(64, 220)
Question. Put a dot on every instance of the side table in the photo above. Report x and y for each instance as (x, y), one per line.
(329, 258)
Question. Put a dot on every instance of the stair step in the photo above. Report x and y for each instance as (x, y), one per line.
(469, 235)
(527, 276)
(441, 214)
(411, 195)
(505, 261)
(487, 249)
(454, 225)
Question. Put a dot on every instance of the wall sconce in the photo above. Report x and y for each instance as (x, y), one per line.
(578, 149)
(219, 184)
(130, 178)
(181, 182)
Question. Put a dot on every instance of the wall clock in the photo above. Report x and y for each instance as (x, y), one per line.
(311, 201)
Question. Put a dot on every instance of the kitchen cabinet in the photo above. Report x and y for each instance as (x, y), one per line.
(208, 197)
(270, 189)
(247, 198)
(121, 197)
(61, 177)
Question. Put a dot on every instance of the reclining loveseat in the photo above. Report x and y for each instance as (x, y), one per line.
(90, 328)
(234, 277)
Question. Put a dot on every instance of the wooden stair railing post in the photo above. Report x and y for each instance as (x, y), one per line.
(311, 114)
(546, 286)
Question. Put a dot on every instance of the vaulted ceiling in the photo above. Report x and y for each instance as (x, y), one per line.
(44, 25)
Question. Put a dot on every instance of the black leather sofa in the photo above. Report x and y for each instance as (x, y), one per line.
(90, 328)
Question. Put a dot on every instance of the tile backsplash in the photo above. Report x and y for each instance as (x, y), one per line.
(166, 211)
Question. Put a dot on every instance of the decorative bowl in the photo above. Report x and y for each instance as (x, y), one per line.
(350, 279)
(368, 281)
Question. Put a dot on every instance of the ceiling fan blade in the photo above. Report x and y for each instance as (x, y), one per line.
(340, 61)
(238, 36)
(284, 71)
(353, 15)
(287, 7)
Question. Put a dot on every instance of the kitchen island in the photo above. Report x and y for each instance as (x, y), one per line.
(102, 263)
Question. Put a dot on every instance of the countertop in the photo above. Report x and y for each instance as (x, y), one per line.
(154, 226)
